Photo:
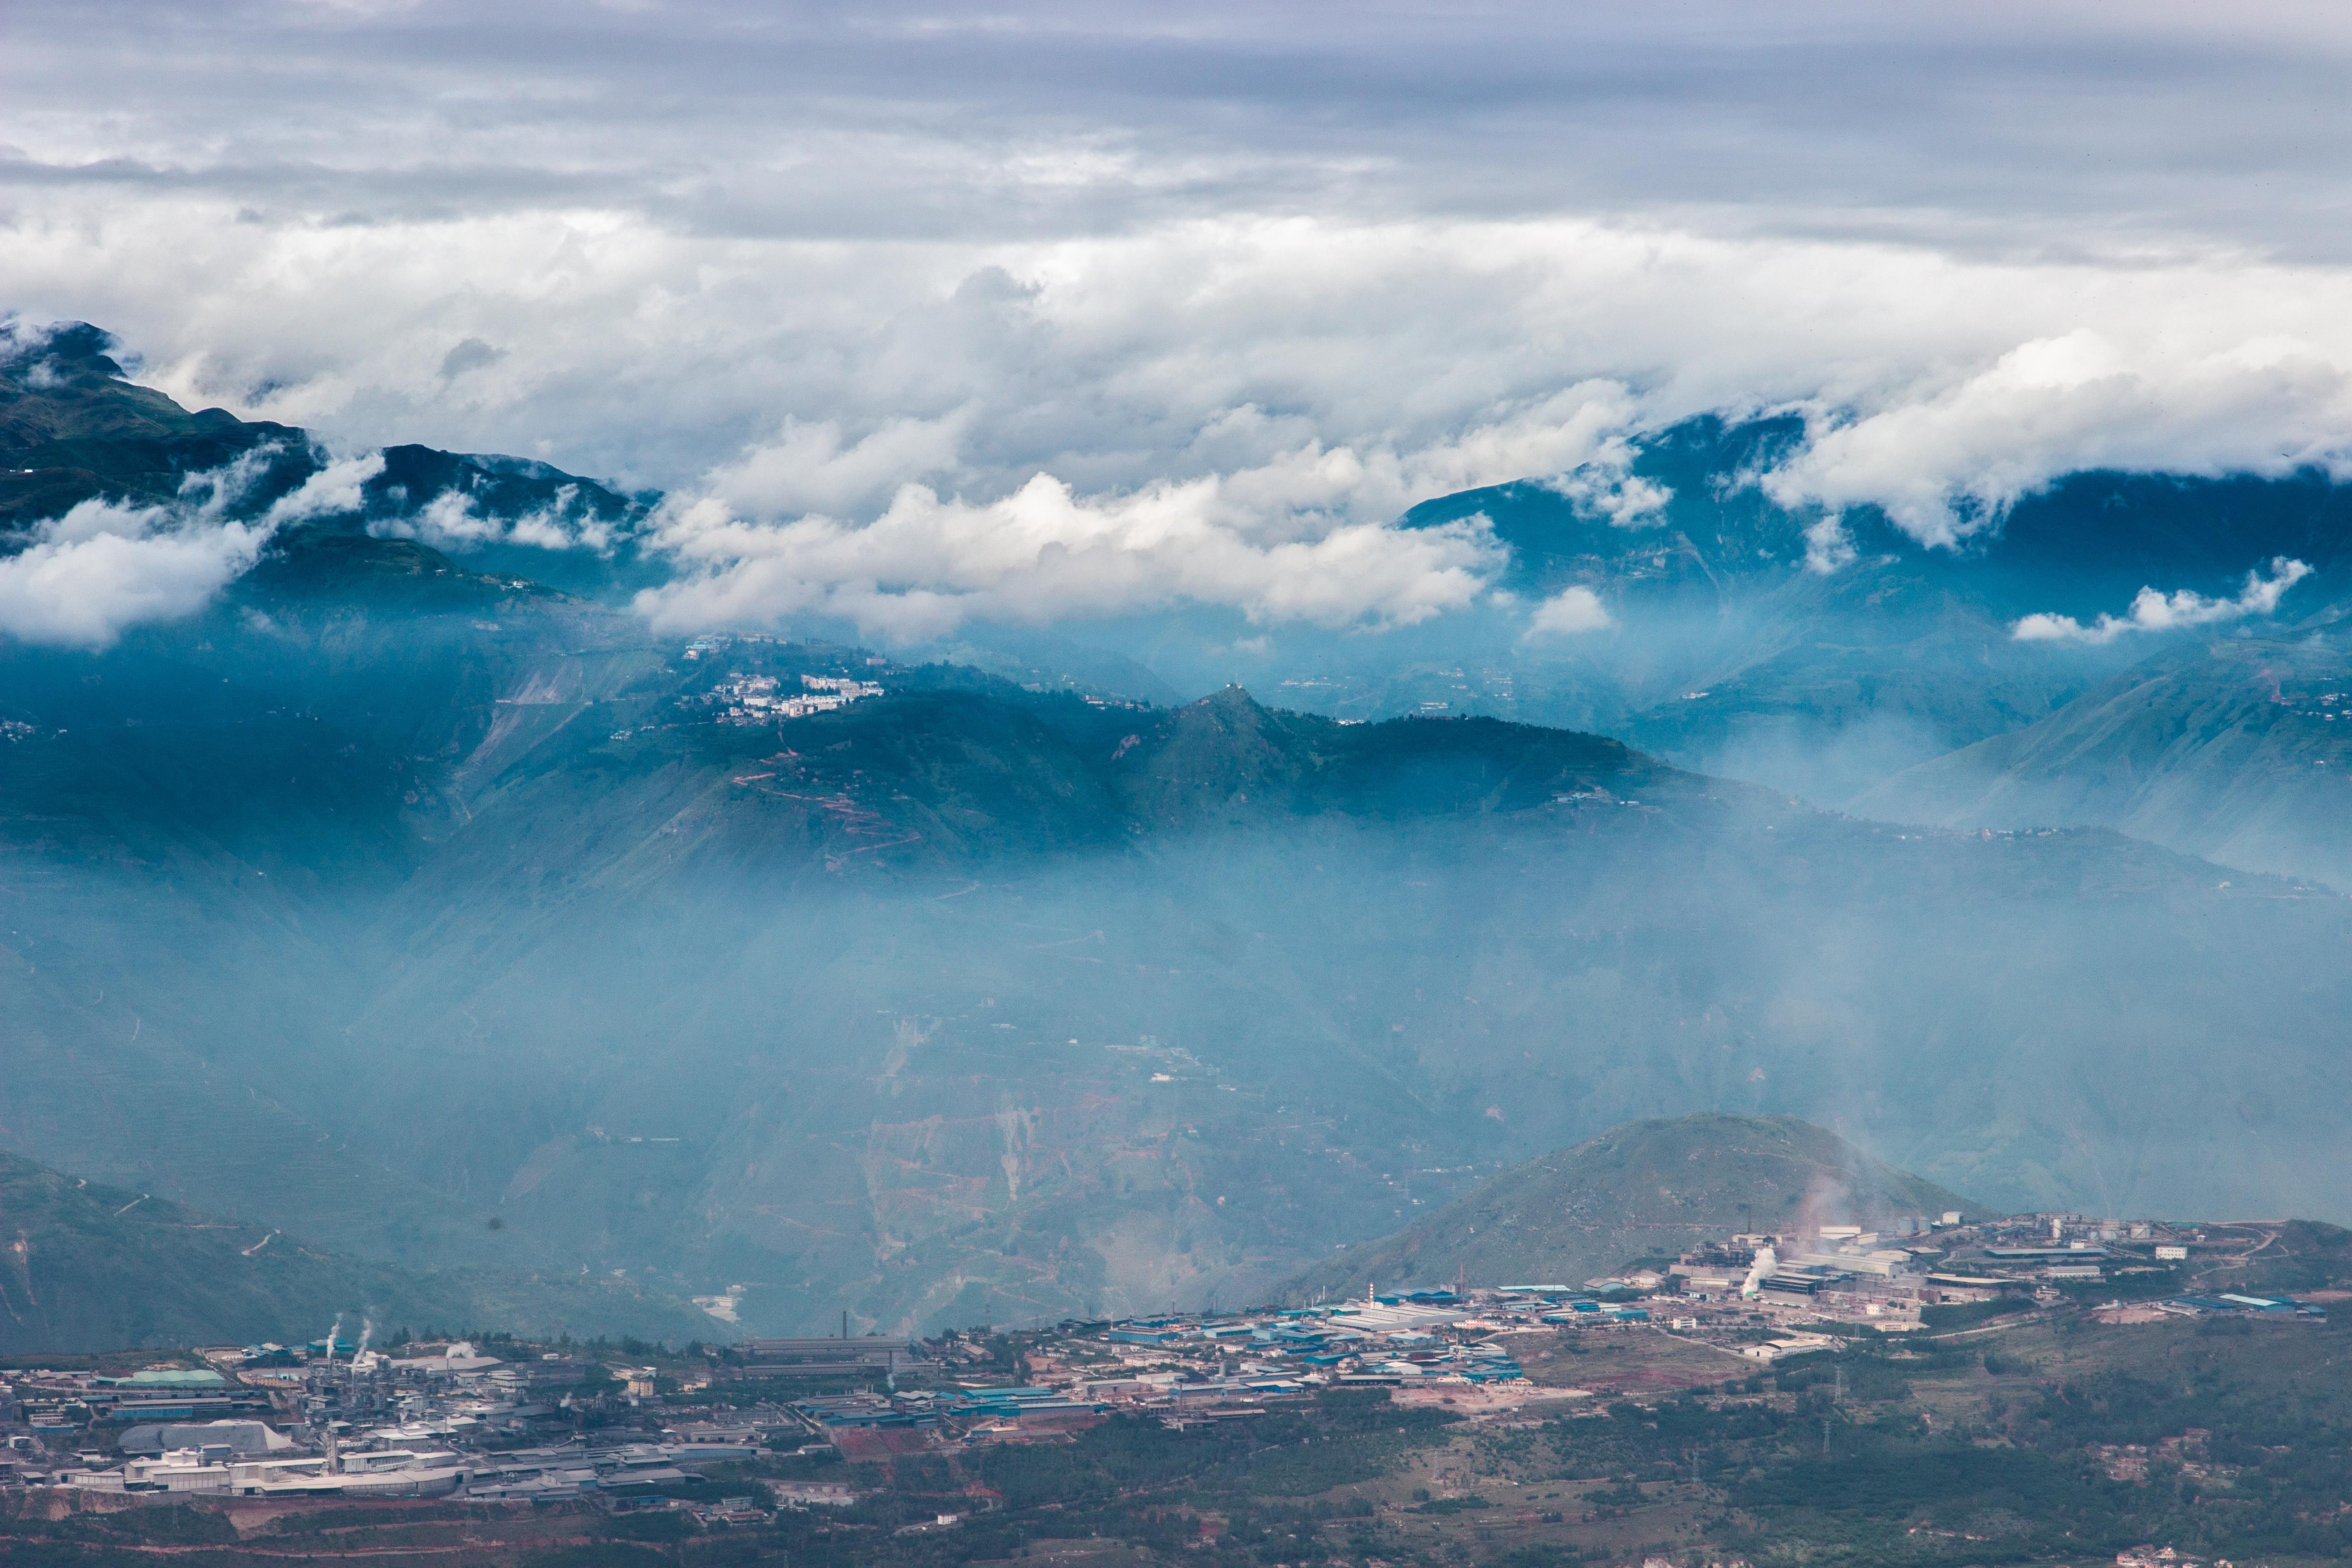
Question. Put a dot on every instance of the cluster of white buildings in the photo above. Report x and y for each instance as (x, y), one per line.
(759, 699)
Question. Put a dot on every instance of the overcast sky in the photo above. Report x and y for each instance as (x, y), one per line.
(1205, 294)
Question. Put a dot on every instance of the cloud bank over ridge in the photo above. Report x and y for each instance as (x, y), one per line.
(921, 323)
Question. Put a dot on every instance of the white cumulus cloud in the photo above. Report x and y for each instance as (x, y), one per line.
(1606, 486)
(1304, 535)
(335, 489)
(1568, 613)
(807, 468)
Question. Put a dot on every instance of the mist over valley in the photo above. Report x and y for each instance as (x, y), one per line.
(819, 977)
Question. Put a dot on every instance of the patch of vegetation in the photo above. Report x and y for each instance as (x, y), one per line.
(1971, 1314)
(1345, 1436)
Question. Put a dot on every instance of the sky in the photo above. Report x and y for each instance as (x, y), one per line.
(1039, 312)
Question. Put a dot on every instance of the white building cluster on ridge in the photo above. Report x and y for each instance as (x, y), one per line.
(757, 699)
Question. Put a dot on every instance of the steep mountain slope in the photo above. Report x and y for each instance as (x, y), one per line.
(1646, 1189)
(194, 831)
(2237, 751)
(73, 428)
(90, 1267)
(2084, 544)
(1730, 653)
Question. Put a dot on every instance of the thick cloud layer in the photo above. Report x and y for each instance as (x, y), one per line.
(927, 565)
(1256, 280)
(1301, 536)
(2183, 394)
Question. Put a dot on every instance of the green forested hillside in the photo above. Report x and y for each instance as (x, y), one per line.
(1643, 1190)
(72, 429)
(89, 1267)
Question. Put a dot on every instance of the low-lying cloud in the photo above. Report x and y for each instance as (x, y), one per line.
(1306, 535)
(454, 522)
(1568, 613)
(1387, 363)
(2176, 396)
(104, 567)
(928, 564)
(2157, 612)
(1607, 487)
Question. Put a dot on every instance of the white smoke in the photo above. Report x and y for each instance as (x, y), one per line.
(2154, 612)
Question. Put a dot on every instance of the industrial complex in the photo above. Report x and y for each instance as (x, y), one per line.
(528, 1426)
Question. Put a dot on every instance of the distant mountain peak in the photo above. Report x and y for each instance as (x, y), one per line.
(66, 351)
(74, 427)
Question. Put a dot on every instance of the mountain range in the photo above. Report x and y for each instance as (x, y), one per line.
(2236, 750)
(403, 889)
(1722, 644)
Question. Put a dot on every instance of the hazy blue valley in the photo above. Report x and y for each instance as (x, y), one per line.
(424, 904)
(1078, 785)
